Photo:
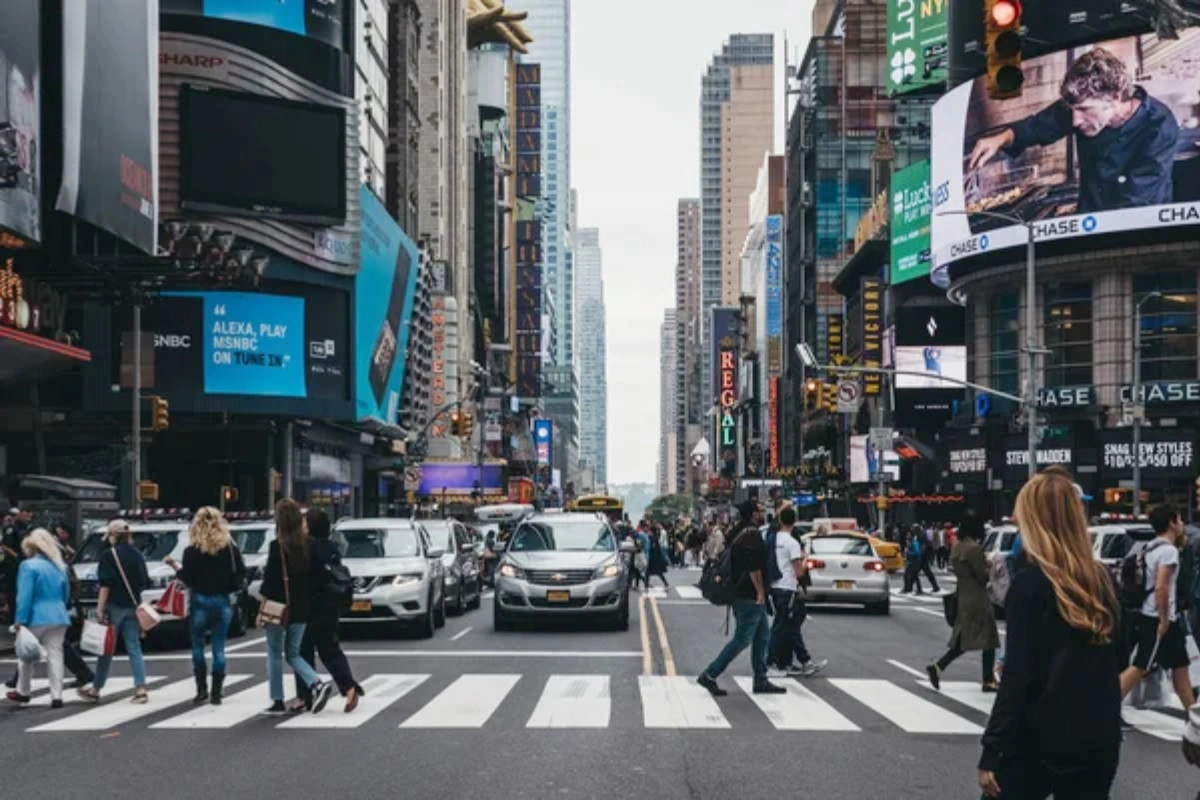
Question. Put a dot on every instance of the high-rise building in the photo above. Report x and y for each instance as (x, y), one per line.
(591, 351)
(404, 113)
(666, 441)
(689, 340)
(737, 123)
(371, 83)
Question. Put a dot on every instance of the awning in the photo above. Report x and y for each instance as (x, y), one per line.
(911, 449)
(27, 358)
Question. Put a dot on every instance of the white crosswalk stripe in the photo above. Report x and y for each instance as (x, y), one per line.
(908, 711)
(380, 691)
(573, 701)
(688, 592)
(114, 686)
(234, 709)
(112, 714)
(678, 702)
(469, 702)
(798, 710)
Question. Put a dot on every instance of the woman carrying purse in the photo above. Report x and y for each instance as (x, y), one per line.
(287, 588)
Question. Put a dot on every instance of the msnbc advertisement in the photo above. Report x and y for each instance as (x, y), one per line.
(20, 126)
(865, 464)
(317, 19)
(1103, 139)
(383, 302)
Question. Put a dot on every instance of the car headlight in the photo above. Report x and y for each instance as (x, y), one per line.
(401, 580)
(610, 570)
(509, 571)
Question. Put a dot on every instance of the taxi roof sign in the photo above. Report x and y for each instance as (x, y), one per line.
(505, 512)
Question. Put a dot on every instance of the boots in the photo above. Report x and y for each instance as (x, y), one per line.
(201, 697)
(217, 685)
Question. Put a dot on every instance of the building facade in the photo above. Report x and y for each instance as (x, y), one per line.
(667, 427)
(689, 340)
(592, 352)
(372, 84)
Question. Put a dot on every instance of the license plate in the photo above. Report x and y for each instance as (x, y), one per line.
(843, 584)
(360, 605)
(558, 597)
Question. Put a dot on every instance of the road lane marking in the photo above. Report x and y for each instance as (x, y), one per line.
(909, 712)
(688, 592)
(906, 668)
(644, 631)
(798, 710)
(118, 712)
(460, 634)
(965, 692)
(1153, 723)
(469, 702)
(245, 645)
(234, 710)
(655, 591)
(432, 654)
(668, 658)
(678, 702)
(931, 612)
(114, 686)
(573, 701)
(379, 692)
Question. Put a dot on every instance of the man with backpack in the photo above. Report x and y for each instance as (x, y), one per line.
(1149, 591)
(738, 579)
(788, 577)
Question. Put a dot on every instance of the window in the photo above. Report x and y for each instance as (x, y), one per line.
(1068, 312)
(1005, 336)
(1168, 324)
(376, 543)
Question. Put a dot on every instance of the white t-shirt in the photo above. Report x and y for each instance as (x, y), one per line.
(1159, 555)
(787, 550)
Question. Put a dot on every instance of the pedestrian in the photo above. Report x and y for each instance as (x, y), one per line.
(714, 543)
(42, 596)
(321, 635)
(974, 623)
(290, 579)
(122, 575)
(213, 570)
(942, 543)
(1158, 632)
(749, 561)
(913, 550)
(637, 562)
(1055, 726)
(927, 548)
(788, 600)
(656, 557)
(72, 659)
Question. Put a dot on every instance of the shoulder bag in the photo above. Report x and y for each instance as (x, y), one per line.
(147, 616)
(237, 582)
(272, 612)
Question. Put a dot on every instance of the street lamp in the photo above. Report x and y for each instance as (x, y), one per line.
(1139, 406)
(1031, 348)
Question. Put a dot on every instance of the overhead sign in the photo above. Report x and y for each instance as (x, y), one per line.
(872, 333)
(866, 462)
(528, 291)
(1165, 452)
(773, 421)
(775, 294)
(543, 441)
(1164, 393)
(882, 438)
(912, 207)
(834, 335)
(1067, 396)
(917, 54)
(969, 461)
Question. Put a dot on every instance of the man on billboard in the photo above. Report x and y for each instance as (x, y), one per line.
(1125, 139)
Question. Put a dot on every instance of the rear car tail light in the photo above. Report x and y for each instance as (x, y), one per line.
(814, 563)
(874, 566)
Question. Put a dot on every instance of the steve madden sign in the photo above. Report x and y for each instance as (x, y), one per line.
(1067, 397)
(1164, 392)
(1020, 458)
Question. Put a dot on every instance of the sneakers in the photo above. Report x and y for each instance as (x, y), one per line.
(140, 697)
(779, 672)
(764, 686)
(276, 707)
(711, 685)
(807, 669)
(321, 692)
(88, 694)
(18, 698)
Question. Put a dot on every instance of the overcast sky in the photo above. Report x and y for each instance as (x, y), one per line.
(635, 138)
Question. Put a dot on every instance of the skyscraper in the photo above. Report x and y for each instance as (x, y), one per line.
(737, 123)
(689, 340)
(593, 375)
(667, 428)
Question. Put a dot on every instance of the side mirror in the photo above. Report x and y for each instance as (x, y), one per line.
(436, 552)
(627, 547)
(467, 547)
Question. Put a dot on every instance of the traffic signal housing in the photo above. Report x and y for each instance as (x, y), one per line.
(455, 424)
(467, 425)
(160, 417)
(1002, 23)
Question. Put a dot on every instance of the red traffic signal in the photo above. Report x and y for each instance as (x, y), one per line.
(1005, 13)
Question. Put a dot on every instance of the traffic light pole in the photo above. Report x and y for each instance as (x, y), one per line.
(136, 437)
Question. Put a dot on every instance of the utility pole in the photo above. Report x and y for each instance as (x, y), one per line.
(1139, 405)
(136, 384)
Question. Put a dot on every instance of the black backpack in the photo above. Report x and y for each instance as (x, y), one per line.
(717, 583)
(1131, 584)
(774, 573)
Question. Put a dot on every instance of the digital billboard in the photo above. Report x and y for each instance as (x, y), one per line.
(912, 205)
(932, 363)
(384, 290)
(20, 123)
(775, 294)
(318, 19)
(916, 44)
(865, 461)
(1102, 140)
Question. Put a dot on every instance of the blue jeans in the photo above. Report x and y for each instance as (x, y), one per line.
(753, 631)
(211, 613)
(281, 638)
(124, 621)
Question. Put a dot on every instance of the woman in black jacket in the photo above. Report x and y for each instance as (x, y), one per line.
(321, 635)
(290, 578)
(974, 623)
(1055, 727)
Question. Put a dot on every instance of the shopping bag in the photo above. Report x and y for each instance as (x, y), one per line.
(98, 639)
(1153, 691)
(28, 648)
(174, 600)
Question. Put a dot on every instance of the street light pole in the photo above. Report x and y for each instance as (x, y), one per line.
(1139, 406)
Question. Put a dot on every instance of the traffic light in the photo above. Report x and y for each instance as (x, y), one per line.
(229, 494)
(830, 396)
(1002, 21)
(467, 424)
(455, 424)
(160, 418)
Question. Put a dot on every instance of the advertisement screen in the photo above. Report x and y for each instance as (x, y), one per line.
(916, 44)
(319, 19)
(265, 164)
(1166, 452)
(20, 128)
(459, 478)
(383, 301)
(1102, 140)
(865, 461)
(932, 363)
(110, 118)
(912, 205)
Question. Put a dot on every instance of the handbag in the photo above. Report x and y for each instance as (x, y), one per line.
(238, 582)
(950, 608)
(147, 617)
(97, 638)
(273, 612)
(175, 600)
(27, 647)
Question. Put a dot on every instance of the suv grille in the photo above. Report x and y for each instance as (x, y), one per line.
(559, 577)
(366, 583)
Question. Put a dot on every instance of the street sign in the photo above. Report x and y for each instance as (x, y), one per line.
(881, 439)
(849, 393)
(412, 478)
(881, 477)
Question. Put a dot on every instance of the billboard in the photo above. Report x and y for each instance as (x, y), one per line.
(872, 333)
(1165, 453)
(543, 441)
(775, 294)
(932, 363)
(726, 340)
(865, 461)
(383, 302)
(528, 294)
(439, 478)
(916, 44)
(912, 206)
(317, 19)
(1101, 141)
(110, 118)
(20, 126)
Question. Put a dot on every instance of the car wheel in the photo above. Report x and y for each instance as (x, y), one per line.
(439, 612)
(883, 607)
(621, 621)
(426, 626)
(460, 603)
(500, 620)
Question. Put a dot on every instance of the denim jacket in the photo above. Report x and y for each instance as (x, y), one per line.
(42, 593)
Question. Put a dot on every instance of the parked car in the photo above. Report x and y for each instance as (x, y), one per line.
(397, 573)
(844, 567)
(563, 564)
(1112, 542)
(253, 538)
(998, 541)
(463, 584)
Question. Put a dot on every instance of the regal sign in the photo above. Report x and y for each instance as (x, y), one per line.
(729, 397)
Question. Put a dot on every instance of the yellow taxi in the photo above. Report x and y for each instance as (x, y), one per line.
(888, 552)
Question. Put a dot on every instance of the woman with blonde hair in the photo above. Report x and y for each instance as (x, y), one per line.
(1055, 728)
(213, 570)
(42, 596)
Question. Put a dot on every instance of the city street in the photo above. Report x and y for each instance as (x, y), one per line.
(562, 712)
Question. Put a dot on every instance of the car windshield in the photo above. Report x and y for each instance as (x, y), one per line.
(441, 532)
(1115, 545)
(153, 545)
(989, 541)
(839, 546)
(377, 543)
(252, 541)
(563, 536)
(1006, 542)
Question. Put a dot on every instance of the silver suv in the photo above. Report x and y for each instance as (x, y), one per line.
(560, 564)
(464, 587)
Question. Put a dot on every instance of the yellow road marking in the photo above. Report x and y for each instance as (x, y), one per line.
(647, 659)
(668, 658)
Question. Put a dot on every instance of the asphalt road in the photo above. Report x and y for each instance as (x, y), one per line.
(559, 712)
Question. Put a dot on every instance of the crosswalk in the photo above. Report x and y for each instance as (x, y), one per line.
(491, 701)
(689, 593)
